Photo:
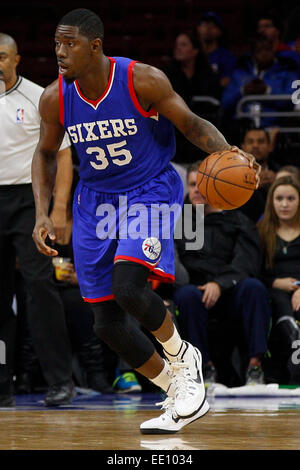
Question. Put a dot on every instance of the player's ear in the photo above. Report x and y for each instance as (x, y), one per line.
(96, 44)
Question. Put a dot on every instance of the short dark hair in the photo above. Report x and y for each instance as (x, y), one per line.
(193, 167)
(274, 17)
(89, 24)
(262, 129)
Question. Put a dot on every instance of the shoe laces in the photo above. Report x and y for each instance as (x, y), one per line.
(184, 383)
(167, 404)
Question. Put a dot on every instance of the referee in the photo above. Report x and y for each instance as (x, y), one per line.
(19, 134)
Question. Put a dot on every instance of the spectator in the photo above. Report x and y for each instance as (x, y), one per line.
(19, 134)
(272, 27)
(288, 170)
(279, 231)
(223, 288)
(261, 73)
(292, 35)
(191, 75)
(211, 34)
(257, 142)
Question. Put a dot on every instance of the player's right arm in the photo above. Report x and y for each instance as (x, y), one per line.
(44, 165)
(154, 89)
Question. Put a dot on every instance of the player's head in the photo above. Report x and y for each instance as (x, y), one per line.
(78, 40)
(257, 142)
(9, 59)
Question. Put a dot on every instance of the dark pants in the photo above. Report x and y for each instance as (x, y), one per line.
(282, 304)
(45, 310)
(246, 305)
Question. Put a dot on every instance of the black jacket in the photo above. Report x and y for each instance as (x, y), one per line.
(231, 250)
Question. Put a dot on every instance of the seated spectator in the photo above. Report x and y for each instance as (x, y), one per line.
(257, 142)
(291, 33)
(288, 170)
(271, 26)
(223, 289)
(191, 74)
(211, 34)
(279, 231)
(261, 73)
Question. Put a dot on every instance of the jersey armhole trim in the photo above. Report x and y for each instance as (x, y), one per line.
(152, 111)
(61, 100)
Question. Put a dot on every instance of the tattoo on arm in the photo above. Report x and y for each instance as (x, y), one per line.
(206, 136)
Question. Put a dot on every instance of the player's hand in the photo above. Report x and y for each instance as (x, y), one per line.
(211, 294)
(43, 228)
(59, 220)
(252, 163)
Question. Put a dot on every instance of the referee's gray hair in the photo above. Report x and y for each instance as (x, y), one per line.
(8, 40)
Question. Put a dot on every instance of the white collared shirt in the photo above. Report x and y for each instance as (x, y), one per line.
(20, 131)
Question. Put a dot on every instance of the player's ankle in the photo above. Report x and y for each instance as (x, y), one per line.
(172, 346)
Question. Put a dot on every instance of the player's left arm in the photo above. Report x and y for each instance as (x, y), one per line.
(62, 193)
(153, 89)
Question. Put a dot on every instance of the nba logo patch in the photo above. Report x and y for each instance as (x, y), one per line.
(151, 248)
(20, 116)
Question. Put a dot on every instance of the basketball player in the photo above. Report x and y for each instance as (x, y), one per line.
(19, 134)
(120, 116)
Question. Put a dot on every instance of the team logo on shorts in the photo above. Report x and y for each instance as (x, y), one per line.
(151, 248)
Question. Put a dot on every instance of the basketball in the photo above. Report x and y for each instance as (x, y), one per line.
(226, 180)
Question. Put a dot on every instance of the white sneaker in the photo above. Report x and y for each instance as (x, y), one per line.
(169, 422)
(187, 385)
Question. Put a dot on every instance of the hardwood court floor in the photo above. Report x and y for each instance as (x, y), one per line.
(112, 430)
(223, 428)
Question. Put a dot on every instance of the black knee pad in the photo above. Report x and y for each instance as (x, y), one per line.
(127, 340)
(134, 295)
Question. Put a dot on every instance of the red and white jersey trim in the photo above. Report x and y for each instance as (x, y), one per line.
(95, 103)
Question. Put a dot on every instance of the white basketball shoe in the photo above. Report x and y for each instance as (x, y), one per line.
(187, 386)
(169, 422)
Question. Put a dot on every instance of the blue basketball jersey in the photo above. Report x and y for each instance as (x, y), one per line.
(120, 146)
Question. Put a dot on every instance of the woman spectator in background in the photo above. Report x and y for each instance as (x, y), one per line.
(191, 75)
(279, 231)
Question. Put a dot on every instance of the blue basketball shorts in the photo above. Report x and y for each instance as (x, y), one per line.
(136, 226)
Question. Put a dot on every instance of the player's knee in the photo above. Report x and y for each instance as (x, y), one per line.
(142, 303)
(127, 341)
(128, 295)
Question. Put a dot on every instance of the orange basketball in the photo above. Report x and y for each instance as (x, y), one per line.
(226, 180)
